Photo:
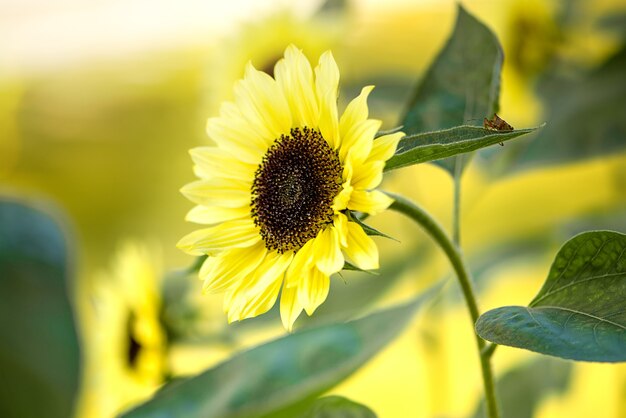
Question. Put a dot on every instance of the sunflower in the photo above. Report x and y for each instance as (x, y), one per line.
(278, 189)
(263, 42)
(125, 344)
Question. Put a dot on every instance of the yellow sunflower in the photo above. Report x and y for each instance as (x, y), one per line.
(124, 342)
(278, 187)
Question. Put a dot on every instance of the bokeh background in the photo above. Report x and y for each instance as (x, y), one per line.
(101, 99)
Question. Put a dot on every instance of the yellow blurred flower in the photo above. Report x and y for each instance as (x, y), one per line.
(124, 343)
(279, 186)
(263, 42)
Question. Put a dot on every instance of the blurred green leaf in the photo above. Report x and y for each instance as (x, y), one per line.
(39, 354)
(585, 114)
(429, 146)
(332, 7)
(462, 85)
(580, 312)
(338, 407)
(287, 373)
(615, 22)
(521, 390)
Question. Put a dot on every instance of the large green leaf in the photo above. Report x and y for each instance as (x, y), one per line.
(462, 85)
(287, 373)
(522, 389)
(39, 356)
(580, 312)
(429, 146)
(338, 407)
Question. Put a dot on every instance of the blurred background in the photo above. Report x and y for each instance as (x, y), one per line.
(100, 101)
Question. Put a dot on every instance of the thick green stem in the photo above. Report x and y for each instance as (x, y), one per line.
(488, 350)
(456, 203)
(453, 253)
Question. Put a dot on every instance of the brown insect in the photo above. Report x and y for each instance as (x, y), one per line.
(496, 123)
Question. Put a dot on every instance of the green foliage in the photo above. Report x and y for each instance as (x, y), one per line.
(579, 312)
(429, 146)
(39, 355)
(462, 85)
(285, 374)
(366, 228)
(338, 407)
(523, 388)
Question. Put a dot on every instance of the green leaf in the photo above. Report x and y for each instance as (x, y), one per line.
(388, 131)
(462, 84)
(580, 313)
(39, 355)
(348, 266)
(522, 389)
(338, 407)
(283, 373)
(368, 229)
(429, 146)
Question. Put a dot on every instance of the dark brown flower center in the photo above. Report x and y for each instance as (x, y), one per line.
(294, 188)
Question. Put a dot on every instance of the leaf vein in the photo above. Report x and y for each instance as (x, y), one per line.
(620, 257)
(590, 261)
(552, 292)
(569, 262)
(597, 318)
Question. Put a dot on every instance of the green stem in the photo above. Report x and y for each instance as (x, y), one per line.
(432, 227)
(488, 350)
(456, 203)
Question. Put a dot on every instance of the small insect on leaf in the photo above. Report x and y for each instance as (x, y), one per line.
(496, 123)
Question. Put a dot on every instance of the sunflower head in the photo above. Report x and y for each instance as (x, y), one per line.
(125, 343)
(277, 188)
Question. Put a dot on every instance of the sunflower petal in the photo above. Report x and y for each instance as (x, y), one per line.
(385, 146)
(341, 200)
(301, 262)
(262, 104)
(231, 266)
(290, 307)
(326, 75)
(329, 127)
(361, 249)
(327, 87)
(215, 214)
(372, 202)
(341, 225)
(295, 77)
(215, 162)
(328, 255)
(208, 266)
(357, 144)
(356, 111)
(256, 296)
(237, 137)
(369, 175)
(313, 290)
(218, 191)
(261, 302)
(231, 234)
